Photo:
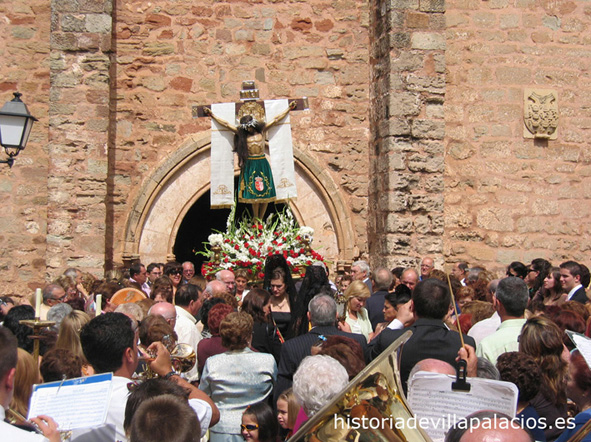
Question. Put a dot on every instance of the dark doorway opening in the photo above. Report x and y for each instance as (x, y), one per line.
(200, 221)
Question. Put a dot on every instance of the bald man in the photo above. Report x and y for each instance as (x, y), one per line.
(228, 278)
(214, 289)
(410, 278)
(427, 266)
(166, 310)
(488, 426)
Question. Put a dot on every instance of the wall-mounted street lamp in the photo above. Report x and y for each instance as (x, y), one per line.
(15, 127)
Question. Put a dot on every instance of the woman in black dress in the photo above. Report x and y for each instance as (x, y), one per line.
(279, 283)
(265, 336)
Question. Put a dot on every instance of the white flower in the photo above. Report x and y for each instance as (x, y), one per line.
(306, 231)
(216, 239)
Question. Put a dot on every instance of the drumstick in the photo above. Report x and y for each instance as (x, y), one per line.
(453, 301)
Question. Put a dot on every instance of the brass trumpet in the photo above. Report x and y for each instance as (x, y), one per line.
(182, 357)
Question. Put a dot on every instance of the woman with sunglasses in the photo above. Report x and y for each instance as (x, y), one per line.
(537, 272)
(174, 270)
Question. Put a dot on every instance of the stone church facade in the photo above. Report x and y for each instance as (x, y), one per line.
(414, 144)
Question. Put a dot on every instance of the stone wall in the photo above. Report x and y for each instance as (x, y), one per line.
(415, 103)
(79, 129)
(24, 51)
(408, 87)
(509, 198)
(175, 54)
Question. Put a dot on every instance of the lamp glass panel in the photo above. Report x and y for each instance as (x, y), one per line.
(11, 130)
(28, 127)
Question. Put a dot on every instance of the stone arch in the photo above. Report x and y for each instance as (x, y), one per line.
(163, 202)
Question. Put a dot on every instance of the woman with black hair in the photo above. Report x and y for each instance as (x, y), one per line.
(551, 292)
(517, 269)
(265, 336)
(315, 282)
(256, 184)
(536, 273)
(279, 283)
(397, 311)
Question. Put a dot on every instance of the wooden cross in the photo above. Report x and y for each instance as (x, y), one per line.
(256, 191)
(248, 95)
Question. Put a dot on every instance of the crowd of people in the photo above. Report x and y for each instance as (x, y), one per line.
(231, 359)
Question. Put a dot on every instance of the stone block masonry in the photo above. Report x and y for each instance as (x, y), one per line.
(416, 120)
(407, 132)
(79, 124)
(510, 198)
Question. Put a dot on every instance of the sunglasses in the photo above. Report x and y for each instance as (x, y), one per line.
(175, 272)
(249, 427)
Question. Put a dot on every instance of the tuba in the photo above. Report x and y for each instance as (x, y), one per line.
(374, 395)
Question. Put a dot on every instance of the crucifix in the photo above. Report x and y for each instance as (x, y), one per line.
(259, 124)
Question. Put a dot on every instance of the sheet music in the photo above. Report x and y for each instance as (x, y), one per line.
(437, 407)
(75, 403)
(583, 344)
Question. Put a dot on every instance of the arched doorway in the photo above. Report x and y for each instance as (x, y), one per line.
(200, 221)
(182, 180)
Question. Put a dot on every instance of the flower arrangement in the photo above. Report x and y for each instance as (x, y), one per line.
(247, 244)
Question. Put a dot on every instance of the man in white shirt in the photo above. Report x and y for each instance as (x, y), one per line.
(10, 433)
(488, 326)
(53, 294)
(109, 343)
(188, 302)
(510, 301)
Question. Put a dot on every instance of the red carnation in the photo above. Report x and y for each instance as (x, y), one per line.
(237, 247)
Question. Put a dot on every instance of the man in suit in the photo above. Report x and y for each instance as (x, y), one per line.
(188, 272)
(139, 274)
(409, 278)
(375, 303)
(570, 277)
(322, 314)
(460, 271)
(431, 338)
(360, 270)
